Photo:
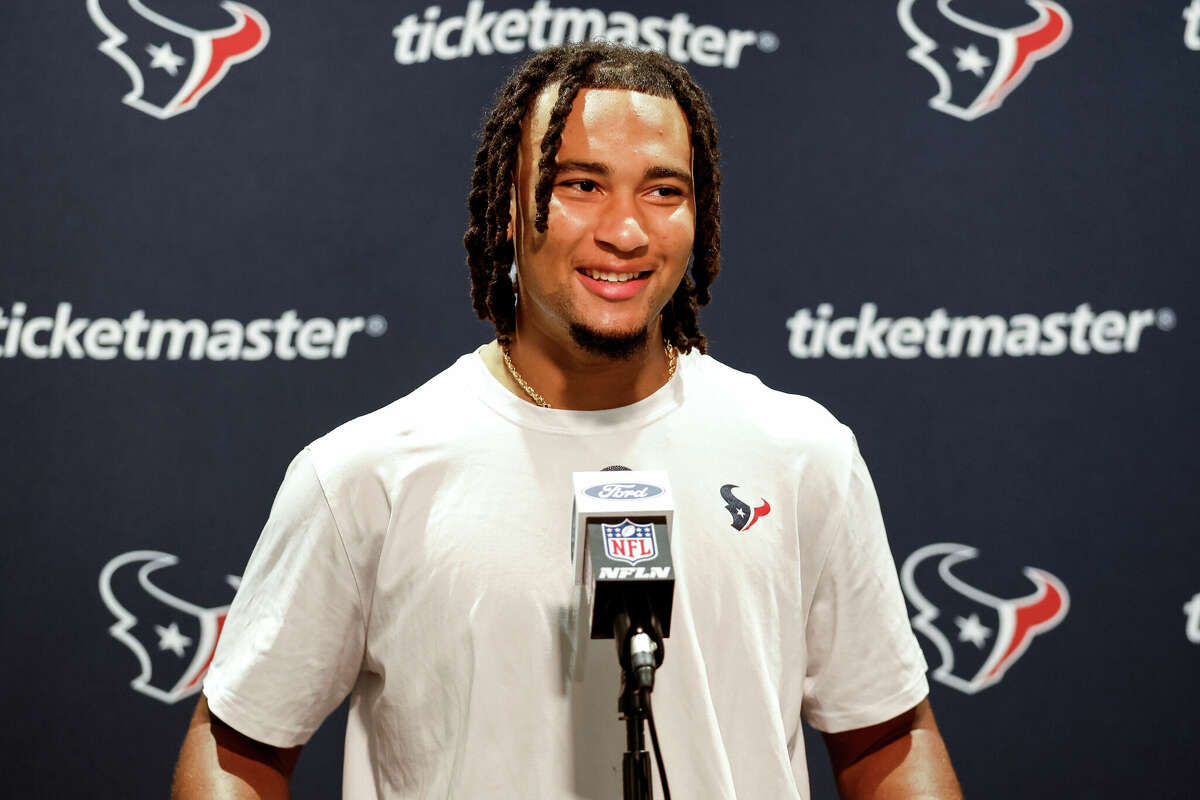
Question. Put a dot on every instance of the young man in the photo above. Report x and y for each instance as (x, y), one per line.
(417, 557)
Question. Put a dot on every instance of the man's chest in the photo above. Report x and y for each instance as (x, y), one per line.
(486, 541)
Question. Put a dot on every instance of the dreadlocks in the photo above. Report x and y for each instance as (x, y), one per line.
(589, 65)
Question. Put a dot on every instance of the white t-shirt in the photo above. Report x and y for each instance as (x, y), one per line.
(419, 557)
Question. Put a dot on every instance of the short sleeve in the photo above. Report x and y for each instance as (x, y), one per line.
(292, 644)
(864, 663)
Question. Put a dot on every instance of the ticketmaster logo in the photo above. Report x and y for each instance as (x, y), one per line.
(139, 338)
(940, 335)
(515, 29)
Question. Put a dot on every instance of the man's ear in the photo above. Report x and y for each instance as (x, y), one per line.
(512, 209)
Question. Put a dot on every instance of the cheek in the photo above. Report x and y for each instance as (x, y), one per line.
(568, 220)
(678, 230)
(568, 227)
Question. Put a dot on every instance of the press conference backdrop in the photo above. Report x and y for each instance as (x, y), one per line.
(968, 227)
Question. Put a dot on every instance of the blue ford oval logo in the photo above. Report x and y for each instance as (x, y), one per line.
(623, 491)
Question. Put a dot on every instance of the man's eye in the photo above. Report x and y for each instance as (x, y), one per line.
(667, 191)
(581, 185)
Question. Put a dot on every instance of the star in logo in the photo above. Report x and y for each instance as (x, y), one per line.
(971, 60)
(972, 630)
(163, 57)
(170, 638)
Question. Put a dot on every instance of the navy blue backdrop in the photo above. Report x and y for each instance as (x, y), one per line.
(966, 227)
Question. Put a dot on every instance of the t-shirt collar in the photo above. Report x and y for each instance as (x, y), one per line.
(498, 398)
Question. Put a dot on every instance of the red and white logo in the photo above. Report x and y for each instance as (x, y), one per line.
(174, 640)
(976, 65)
(744, 513)
(630, 542)
(170, 64)
(979, 636)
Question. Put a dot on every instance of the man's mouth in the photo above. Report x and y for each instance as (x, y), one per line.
(613, 277)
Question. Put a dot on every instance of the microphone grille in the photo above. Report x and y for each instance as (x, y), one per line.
(616, 468)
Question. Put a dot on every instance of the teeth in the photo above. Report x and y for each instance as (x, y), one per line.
(612, 277)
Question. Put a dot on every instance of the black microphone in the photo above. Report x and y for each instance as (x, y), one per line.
(621, 548)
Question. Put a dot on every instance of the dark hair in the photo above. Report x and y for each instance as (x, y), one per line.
(594, 65)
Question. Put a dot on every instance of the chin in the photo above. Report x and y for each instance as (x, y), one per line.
(611, 344)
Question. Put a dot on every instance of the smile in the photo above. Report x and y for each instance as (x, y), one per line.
(613, 286)
(612, 277)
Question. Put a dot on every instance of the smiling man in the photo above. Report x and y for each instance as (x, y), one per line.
(417, 558)
(624, 217)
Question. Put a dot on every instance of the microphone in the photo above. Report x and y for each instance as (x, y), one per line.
(624, 574)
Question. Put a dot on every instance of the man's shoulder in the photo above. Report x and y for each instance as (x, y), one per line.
(780, 431)
(433, 410)
(744, 398)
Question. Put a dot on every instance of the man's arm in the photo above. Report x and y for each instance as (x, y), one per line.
(901, 759)
(218, 763)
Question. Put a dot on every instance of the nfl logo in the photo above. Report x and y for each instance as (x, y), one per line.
(629, 542)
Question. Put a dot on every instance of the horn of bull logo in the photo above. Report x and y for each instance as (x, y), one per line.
(1020, 619)
(210, 620)
(213, 51)
(1017, 50)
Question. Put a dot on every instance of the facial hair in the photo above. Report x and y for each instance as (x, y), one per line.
(617, 346)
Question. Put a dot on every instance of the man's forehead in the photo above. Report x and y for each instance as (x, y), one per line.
(641, 104)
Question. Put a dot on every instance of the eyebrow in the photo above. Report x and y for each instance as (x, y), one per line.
(598, 168)
(669, 172)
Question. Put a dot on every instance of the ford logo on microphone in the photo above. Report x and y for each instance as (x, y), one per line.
(623, 491)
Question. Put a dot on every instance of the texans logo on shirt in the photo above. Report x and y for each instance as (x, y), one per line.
(170, 64)
(173, 639)
(979, 636)
(744, 514)
(977, 65)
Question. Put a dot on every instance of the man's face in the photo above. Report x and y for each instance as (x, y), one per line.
(622, 218)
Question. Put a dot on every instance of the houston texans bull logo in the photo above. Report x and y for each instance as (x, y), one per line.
(170, 64)
(173, 639)
(743, 514)
(976, 65)
(979, 636)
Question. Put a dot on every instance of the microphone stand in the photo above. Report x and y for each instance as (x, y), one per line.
(635, 767)
(640, 650)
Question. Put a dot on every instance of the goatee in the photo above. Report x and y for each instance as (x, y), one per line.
(618, 346)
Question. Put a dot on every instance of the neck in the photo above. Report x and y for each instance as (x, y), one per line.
(569, 377)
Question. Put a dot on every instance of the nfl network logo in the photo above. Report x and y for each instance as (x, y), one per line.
(629, 542)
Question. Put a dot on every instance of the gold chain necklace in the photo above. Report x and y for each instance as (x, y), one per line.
(672, 361)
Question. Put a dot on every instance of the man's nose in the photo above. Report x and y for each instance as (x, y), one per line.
(622, 226)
